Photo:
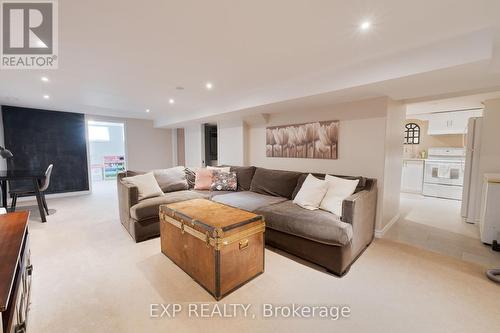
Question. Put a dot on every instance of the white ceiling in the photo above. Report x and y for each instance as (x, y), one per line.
(120, 57)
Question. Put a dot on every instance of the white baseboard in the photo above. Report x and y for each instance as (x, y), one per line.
(379, 233)
(471, 220)
(54, 196)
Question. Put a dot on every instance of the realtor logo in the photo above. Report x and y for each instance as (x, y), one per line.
(29, 34)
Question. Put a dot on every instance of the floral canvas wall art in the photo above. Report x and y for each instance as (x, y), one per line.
(311, 140)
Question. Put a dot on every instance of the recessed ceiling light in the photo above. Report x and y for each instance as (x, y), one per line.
(365, 25)
(171, 101)
(209, 85)
(45, 79)
(147, 110)
(46, 96)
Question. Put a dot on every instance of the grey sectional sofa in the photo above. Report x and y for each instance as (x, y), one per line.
(323, 238)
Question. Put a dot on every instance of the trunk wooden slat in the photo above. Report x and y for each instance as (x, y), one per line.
(220, 247)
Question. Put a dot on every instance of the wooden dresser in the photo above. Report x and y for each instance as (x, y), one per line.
(15, 272)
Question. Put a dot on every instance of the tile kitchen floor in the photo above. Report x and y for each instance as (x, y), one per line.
(435, 224)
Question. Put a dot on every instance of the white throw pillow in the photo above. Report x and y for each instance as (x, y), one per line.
(146, 184)
(223, 169)
(311, 193)
(338, 190)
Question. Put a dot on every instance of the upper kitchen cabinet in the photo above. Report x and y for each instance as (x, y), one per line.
(450, 122)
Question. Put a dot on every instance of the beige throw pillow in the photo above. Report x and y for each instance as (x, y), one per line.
(311, 193)
(338, 190)
(146, 184)
(172, 179)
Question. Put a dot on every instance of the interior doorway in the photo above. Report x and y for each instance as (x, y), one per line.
(210, 145)
(106, 149)
(435, 167)
(440, 184)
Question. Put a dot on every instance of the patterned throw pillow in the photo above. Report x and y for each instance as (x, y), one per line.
(190, 177)
(224, 181)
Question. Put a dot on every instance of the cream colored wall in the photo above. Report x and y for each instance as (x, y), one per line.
(193, 146)
(396, 114)
(429, 141)
(180, 147)
(231, 142)
(146, 147)
(362, 146)
(490, 138)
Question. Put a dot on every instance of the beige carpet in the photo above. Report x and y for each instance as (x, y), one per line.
(89, 276)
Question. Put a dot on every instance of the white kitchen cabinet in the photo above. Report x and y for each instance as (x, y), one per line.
(412, 177)
(449, 122)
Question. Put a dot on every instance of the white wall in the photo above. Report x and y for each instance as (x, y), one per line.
(193, 138)
(231, 142)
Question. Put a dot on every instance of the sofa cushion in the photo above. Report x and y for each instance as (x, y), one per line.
(247, 200)
(150, 207)
(244, 176)
(206, 194)
(317, 225)
(274, 182)
(361, 185)
(171, 179)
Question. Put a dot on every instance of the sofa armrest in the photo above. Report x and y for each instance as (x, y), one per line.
(360, 211)
(128, 195)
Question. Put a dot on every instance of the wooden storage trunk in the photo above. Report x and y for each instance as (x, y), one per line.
(220, 247)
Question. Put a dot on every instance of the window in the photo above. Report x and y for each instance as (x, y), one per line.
(412, 134)
(98, 133)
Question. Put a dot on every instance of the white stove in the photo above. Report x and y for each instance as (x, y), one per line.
(444, 173)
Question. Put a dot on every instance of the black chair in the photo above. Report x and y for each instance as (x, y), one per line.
(23, 192)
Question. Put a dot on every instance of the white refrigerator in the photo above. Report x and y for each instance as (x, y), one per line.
(471, 198)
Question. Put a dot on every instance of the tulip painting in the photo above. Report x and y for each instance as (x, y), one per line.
(311, 140)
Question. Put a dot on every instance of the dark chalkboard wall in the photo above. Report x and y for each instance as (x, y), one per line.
(38, 138)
